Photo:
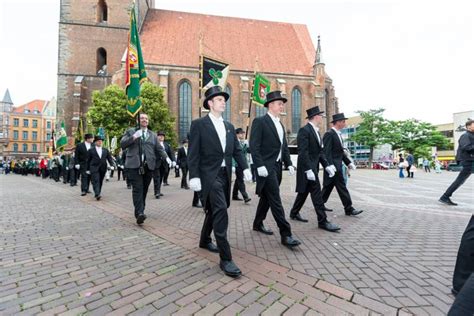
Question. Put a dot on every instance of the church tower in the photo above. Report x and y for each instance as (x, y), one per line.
(93, 36)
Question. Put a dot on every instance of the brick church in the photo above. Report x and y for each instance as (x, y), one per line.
(93, 37)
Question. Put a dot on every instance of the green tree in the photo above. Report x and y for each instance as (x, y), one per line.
(415, 137)
(372, 131)
(108, 110)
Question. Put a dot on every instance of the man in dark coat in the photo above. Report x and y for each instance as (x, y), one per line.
(97, 165)
(465, 155)
(143, 154)
(310, 155)
(465, 259)
(182, 162)
(82, 156)
(162, 169)
(269, 149)
(212, 145)
(239, 185)
(334, 151)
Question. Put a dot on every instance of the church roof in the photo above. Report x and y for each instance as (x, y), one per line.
(7, 98)
(31, 107)
(172, 38)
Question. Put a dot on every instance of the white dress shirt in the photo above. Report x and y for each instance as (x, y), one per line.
(144, 137)
(99, 151)
(220, 129)
(316, 130)
(279, 128)
(88, 145)
(340, 136)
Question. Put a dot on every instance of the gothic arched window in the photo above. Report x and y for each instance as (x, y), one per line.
(185, 113)
(101, 63)
(226, 114)
(295, 110)
(102, 11)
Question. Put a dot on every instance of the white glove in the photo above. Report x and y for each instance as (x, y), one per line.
(331, 170)
(173, 164)
(291, 170)
(177, 166)
(310, 175)
(88, 172)
(77, 167)
(262, 171)
(67, 168)
(137, 134)
(247, 175)
(112, 168)
(169, 162)
(233, 169)
(195, 184)
(352, 166)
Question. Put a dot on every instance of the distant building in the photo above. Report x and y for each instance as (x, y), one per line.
(6, 106)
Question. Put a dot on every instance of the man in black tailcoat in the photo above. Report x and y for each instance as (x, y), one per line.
(269, 149)
(334, 151)
(212, 145)
(97, 165)
(310, 155)
(82, 156)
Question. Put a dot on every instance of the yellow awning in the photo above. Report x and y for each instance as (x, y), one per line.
(446, 158)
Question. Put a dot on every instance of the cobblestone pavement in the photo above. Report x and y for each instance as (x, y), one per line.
(66, 254)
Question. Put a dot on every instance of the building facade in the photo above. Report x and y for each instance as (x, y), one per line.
(172, 43)
(6, 107)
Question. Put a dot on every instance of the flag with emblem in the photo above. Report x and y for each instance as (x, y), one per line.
(213, 73)
(261, 87)
(135, 68)
(61, 137)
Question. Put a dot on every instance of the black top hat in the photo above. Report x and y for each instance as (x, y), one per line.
(338, 117)
(87, 136)
(313, 112)
(239, 131)
(214, 92)
(274, 96)
(184, 141)
(161, 133)
(98, 137)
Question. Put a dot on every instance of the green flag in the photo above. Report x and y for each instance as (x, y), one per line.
(261, 87)
(61, 137)
(135, 72)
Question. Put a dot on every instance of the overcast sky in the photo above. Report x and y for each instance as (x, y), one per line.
(413, 58)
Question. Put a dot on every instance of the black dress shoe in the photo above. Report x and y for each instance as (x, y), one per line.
(230, 268)
(197, 205)
(353, 212)
(186, 188)
(141, 218)
(161, 194)
(83, 193)
(210, 246)
(327, 209)
(247, 200)
(236, 198)
(97, 197)
(263, 229)
(290, 242)
(298, 217)
(447, 201)
(157, 196)
(330, 227)
(166, 184)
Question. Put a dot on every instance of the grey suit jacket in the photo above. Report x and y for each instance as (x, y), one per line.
(151, 148)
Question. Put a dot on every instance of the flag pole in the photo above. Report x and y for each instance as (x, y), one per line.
(251, 98)
(201, 36)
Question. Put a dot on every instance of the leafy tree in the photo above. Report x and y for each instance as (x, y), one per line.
(415, 137)
(372, 131)
(108, 110)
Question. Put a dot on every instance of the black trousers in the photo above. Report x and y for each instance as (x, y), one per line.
(165, 173)
(197, 198)
(464, 302)
(97, 179)
(55, 173)
(338, 182)
(216, 216)
(73, 174)
(184, 182)
(157, 180)
(314, 188)
(85, 180)
(465, 259)
(140, 184)
(65, 175)
(239, 184)
(270, 199)
(463, 175)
